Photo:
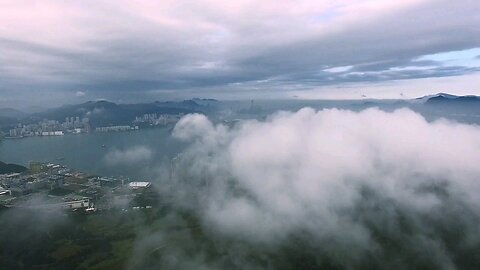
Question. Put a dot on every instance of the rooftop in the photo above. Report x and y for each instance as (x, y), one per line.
(139, 184)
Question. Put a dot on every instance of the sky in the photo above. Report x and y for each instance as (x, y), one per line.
(55, 52)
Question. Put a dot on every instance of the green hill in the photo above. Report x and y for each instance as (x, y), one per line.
(11, 168)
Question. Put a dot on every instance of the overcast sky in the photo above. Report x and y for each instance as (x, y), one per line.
(52, 52)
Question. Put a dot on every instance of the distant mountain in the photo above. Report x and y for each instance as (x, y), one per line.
(461, 108)
(33, 109)
(444, 95)
(207, 101)
(102, 113)
(11, 113)
(7, 122)
(445, 99)
(10, 117)
(11, 168)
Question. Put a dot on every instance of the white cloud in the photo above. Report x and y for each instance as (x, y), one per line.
(334, 174)
(338, 69)
(133, 155)
(80, 94)
(95, 111)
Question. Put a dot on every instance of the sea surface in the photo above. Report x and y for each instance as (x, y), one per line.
(89, 152)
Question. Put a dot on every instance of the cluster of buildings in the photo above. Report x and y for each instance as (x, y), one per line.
(54, 186)
(77, 125)
(116, 128)
(158, 119)
(46, 127)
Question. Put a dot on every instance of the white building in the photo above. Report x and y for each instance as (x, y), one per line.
(52, 133)
(139, 185)
(79, 203)
(5, 191)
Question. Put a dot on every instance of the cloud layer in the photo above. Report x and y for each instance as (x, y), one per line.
(366, 189)
(179, 48)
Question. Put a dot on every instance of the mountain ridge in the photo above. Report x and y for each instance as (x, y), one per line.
(103, 112)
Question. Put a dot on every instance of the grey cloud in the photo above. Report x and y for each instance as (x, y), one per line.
(382, 41)
(139, 56)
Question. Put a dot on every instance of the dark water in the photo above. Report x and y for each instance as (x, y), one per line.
(86, 153)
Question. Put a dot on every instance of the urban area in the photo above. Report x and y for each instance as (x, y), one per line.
(78, 125)
(48, 186)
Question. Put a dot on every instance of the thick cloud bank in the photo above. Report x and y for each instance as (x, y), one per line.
(366, 189)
